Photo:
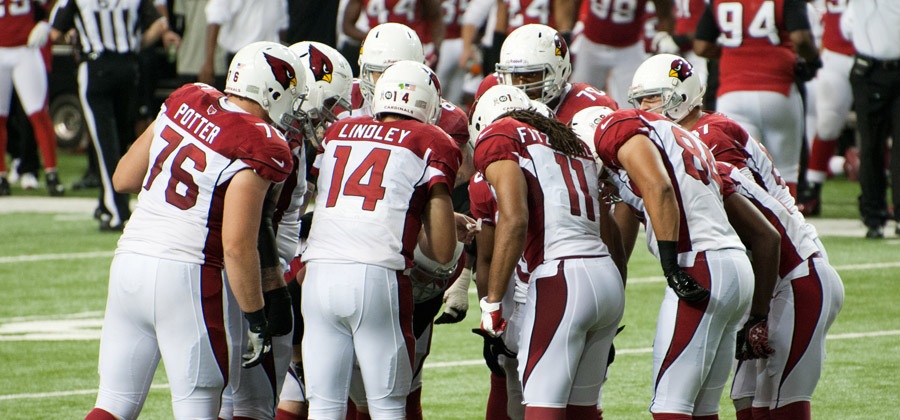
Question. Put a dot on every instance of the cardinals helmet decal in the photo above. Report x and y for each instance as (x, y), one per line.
(681, 69)
(283, 72)
(320, 64)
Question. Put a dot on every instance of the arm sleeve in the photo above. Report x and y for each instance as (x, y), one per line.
(148, 14)
(795, 16)
(707, 28)
(63, 15)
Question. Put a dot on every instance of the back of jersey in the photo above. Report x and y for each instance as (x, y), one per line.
(563, 206)
(200, 142)
(374, 181)
(692, 172)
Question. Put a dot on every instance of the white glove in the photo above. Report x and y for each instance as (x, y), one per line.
(492, 321)
(259, 340)
(663, 43)
(39, 35)
(456, 299)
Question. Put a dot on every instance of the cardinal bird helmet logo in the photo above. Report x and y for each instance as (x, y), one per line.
(283, 71)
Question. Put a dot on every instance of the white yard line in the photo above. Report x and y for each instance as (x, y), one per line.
(54, 257)
(435, 365)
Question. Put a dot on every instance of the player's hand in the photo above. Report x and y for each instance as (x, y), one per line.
(686, 287)
(493, 348)
(456, 299)
(805, 71)
(753, 339)
(39, 35)
(466, 227)
(260, 342)
(279, 312)
(663, 43)
(492, 321)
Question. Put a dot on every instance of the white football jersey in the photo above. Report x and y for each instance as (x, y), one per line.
(200, 142)
(797, 242)
(374, 181)
(704, 225)
(563, 205)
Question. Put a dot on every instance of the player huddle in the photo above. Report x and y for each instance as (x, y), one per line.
(261, 309)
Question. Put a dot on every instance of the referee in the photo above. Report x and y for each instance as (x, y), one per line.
(875, 78)
(110, 32)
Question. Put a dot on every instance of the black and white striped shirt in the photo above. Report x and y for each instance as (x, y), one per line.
(105, 25)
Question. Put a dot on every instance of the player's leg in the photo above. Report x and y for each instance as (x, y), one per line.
(384, 342)
(833, 99)
(129, 352)
(685, 329)
(98, 115)
(731, 270)
(292, 404)
(595, 288)
(332, 297)
(7, 63)
(803, 314)
(514, 302)
(30, 81)
(449, 72)
(627, 60)
(590, 66)
(200, 322)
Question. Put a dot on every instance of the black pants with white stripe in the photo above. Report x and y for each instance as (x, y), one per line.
(108, 89)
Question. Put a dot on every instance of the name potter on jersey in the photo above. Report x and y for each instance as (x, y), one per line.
(373, 131)
(192, 121)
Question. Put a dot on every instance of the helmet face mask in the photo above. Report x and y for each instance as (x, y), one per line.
(410, 89)
(538, 54)
(672, 79)
(384, 45)
(271, 75)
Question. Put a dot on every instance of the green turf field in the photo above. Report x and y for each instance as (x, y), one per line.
(54, 267)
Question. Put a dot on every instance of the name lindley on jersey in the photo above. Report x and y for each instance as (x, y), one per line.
(373, 131)
(189, 118)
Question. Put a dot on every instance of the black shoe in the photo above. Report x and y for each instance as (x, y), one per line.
(55, 187)
(105, 222)
(810, 200)
(89, 181)
(4, 187)
(897, 229)
(875, 232)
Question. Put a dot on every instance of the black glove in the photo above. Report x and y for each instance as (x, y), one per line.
(753, 339)
(685, 286)
(260, 342)
(612, 348)
(493, 348)
(279, 312)
(805, 71)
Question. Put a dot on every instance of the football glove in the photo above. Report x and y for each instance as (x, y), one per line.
(492, 321)
(279, 312)
(686, 287)
(493, 348)
(663, 43)
(805, 71)
(456, 299)
(753, 339)
(259, 341)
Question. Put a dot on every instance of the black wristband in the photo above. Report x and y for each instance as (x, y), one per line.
(257, 319)
(684, 42)
(668, 256)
